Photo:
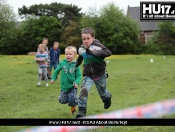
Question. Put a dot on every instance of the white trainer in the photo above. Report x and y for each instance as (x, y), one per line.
(39, 84)
(47, 84)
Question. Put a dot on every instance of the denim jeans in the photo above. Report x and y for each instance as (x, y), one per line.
(69, 97)
(53, 64)
(86, 86)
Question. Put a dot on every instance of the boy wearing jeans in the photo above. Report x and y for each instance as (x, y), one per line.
(54, 56)
(93, 53)
(69, 79)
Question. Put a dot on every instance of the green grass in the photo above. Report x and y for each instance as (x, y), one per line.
(133, 80)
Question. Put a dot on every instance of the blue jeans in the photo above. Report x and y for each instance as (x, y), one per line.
(53, 64)
(87, 84)
(68, 97)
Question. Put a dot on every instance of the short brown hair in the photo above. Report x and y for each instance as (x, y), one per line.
(88, 30)
(45, 39)
(55, 43)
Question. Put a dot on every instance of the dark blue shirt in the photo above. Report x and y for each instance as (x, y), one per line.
(54, 55)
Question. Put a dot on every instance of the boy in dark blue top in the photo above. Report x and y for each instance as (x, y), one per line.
(54, 55)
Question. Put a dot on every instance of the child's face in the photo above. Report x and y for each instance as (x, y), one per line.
(40, 48)
(70, 55)
(45, 42)
(55, 46)
(87, 39)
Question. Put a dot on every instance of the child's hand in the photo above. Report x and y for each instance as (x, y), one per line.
(52, 82)
(75, 85)
(36, 59)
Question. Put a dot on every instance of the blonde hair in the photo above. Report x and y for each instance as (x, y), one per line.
(71, 48)
(43, 46)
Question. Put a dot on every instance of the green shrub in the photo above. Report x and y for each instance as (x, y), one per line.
(151, 48)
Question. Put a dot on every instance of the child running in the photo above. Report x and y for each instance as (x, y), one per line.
(69, 80)
(93, 53)
(41, 58)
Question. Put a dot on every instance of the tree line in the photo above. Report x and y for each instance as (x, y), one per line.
(63, 23)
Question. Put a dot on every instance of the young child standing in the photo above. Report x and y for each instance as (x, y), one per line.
(69, 80)
(54, 56)
(93, 53)
(44, 43)
(41, 58)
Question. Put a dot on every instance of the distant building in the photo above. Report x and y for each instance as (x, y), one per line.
(147, 28)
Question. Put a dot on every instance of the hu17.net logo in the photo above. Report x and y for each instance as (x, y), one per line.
(157, 11)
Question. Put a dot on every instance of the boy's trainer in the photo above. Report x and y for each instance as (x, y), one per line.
(73, 110)
(82, 112)
(107, 103)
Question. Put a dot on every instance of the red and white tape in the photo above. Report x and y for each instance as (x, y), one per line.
(157, 109)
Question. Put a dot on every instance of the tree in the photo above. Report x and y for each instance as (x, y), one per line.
(8, 30)
(165, 37)
(117, 31)
(71, 35)
(33, 30)
(6, 12)
(162, 41)
(166, 32)
(63, 12)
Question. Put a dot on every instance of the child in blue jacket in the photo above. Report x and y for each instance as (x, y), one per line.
(54, 56)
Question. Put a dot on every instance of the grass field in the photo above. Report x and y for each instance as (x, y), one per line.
(133, 80)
